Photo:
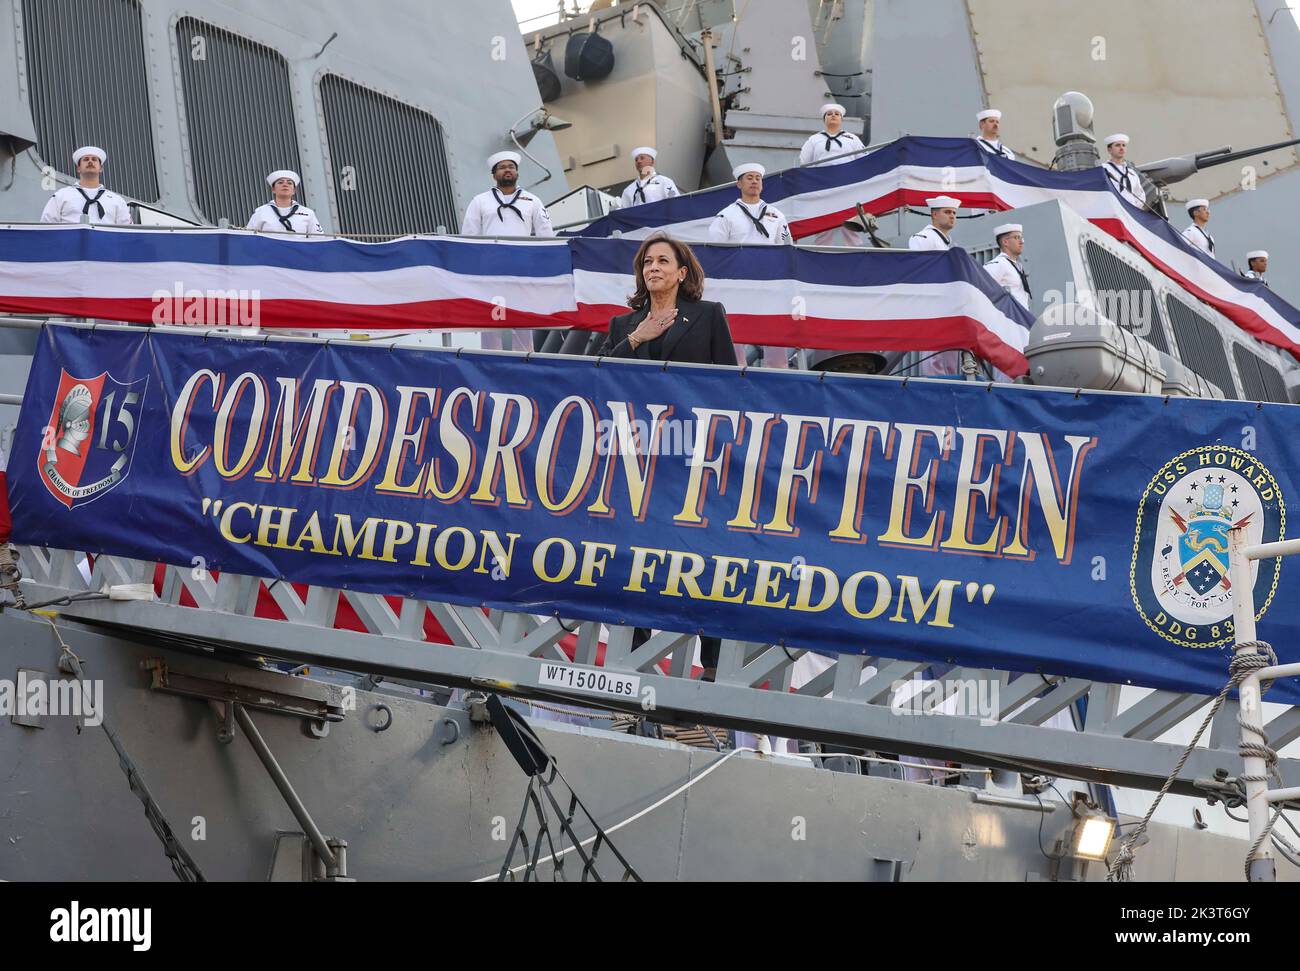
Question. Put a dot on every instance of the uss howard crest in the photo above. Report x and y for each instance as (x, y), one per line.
(90, 438)
(1179, 577)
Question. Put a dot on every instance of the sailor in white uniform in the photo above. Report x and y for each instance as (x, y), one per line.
(282, 214)
(1256, 265)
(1196, 233)
(88, 198)
(649, 185)
(989, 138)
(506, 209)
(831, 141)
(1005, 268)
(943, 217)
(749, 219)
(1122, 173)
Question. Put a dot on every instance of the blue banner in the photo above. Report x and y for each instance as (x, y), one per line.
(1081, 534)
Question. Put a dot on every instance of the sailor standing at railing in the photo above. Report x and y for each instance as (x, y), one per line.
(282, 214)
(649, 185)
(1005, 268)
(1256, 265)
(1122, 173)
(989, 139)
(506, 209)
(943, 217)
(1196, 233)
(751, 220)
(833, 140)
(89, 197)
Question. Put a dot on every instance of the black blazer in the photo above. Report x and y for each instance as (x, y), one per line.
(700, 335)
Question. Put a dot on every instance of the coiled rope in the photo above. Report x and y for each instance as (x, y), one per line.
(1244, 661)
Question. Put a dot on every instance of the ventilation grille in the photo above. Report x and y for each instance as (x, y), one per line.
(1260, 381)
(87, 84)
(389, 162)
(239, 116)
(1200, 345)
(1124, 295)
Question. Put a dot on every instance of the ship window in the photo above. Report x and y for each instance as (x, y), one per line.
(239, 117)
(1260, 381)
(1124, 295)
(86, 84)
(1200, 345)
(375, 144)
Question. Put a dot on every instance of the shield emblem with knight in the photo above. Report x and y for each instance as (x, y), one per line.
(88, 443)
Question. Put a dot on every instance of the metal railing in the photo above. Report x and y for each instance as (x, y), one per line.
(1257, 743)
(848, 704)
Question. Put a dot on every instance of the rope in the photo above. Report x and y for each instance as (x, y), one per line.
(183, 865)
(704, 775)
(609, 716)
(1244, 661)
(627, 822)
(65, 600)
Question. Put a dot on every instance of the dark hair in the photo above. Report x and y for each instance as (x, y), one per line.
(692, 288)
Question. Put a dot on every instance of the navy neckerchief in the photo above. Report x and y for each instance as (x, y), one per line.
(502, 204)
(1024, 277)
(285, 217)
(995, 149)
(756, 220)
(92, 201)
(1124, 183)
(942, 234)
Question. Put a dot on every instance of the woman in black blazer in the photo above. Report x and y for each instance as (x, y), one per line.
(668, 320)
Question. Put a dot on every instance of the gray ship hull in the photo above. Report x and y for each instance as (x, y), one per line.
(436, 797)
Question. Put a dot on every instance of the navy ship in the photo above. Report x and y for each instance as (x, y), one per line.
(278, 730)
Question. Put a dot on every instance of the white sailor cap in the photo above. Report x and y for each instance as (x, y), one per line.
(943, 202)
(644, 150)
(989, 113)
(1005, 228)
(744, 168)
(81, 153)
(1257, 254)
(1197, 203)
(499, 157)
(832, 106)
(279, 174)
(1112, 139)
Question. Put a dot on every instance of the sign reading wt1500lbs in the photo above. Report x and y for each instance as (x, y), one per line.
(991, 527)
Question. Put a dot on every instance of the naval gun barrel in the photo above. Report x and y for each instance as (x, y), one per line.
(1170, 170)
